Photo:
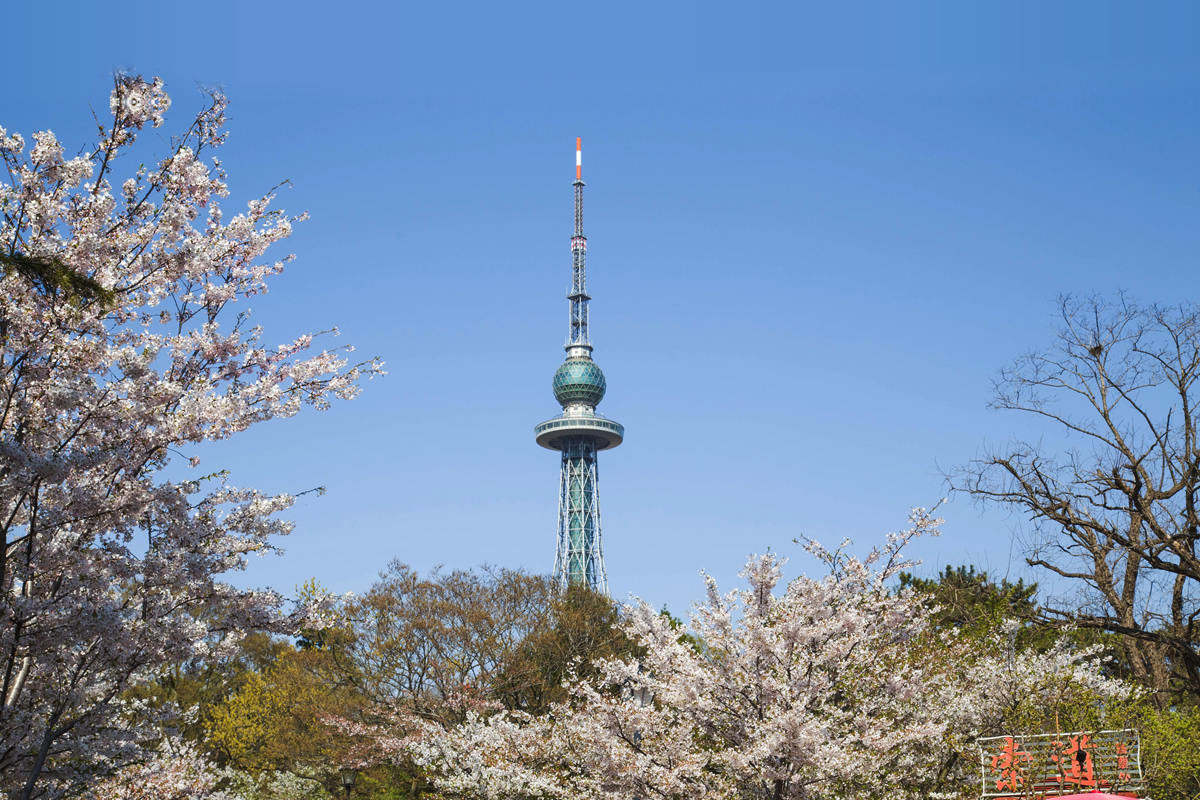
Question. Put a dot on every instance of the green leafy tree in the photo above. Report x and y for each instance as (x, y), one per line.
(200, 686)
(971, 600)
(274, 721)
(582, 626)
(976, 605)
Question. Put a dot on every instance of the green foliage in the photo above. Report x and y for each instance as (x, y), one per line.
(582, 626)
(1170, 752)
(199, 688)
(51, 276)
(975, 605)
(691, 640)
(971, 601)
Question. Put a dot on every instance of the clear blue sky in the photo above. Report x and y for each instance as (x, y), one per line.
(816, 232)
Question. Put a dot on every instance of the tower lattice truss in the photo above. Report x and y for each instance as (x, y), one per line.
(580, 555)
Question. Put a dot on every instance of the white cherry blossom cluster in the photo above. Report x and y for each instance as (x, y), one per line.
(176, 771)
(134, 102)
(127, 347)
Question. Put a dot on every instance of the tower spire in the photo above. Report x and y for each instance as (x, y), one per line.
(578, 342)
(579, 433)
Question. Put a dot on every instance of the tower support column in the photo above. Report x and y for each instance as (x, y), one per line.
(579, 556)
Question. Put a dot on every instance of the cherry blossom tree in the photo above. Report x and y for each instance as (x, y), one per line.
(175, 772)
(121, 344)
(824, 688)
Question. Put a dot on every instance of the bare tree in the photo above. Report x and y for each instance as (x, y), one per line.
(435, 644)
(1113, 510)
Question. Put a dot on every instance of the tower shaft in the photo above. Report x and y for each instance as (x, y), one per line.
(579, 558)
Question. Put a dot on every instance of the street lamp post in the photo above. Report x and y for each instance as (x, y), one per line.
(641, 695)
(348, 776)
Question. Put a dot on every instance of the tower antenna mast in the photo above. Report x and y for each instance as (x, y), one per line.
(578, 335)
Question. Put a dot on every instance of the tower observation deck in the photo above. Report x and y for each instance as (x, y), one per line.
(579, 433)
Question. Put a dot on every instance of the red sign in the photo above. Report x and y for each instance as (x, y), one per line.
(1053, 765)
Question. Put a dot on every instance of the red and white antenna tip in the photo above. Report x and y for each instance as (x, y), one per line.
(578, 158)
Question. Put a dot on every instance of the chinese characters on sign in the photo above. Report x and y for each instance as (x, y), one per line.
(1010, 766)
(1048, 765)
(1073, 755)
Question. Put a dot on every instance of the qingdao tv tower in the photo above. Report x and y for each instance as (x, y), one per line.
(579, 433)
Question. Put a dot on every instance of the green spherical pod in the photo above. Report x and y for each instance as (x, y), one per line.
(579, 380)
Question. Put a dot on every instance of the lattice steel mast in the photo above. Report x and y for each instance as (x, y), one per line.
(579, 432)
